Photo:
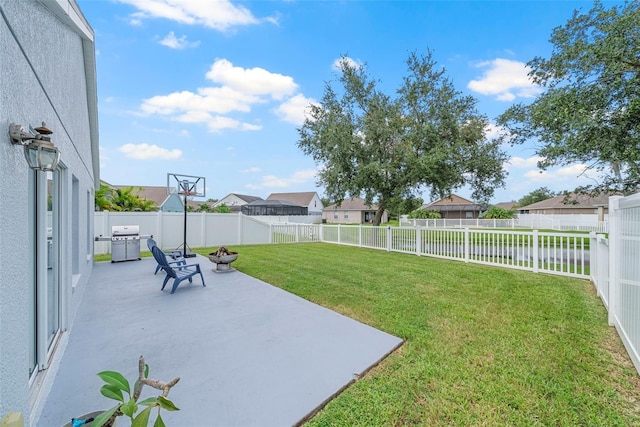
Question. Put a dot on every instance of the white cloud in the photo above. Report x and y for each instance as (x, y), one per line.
(149, 152)
(212, 99)
(493, 131)
(170, 40)
(254, 81)
(219, 15)
(294, 109)
(520, 162)
(337, 64)
(240, 90)
(272, 181)
(506, 79)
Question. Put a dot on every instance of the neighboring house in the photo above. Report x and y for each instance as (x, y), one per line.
(571, 204)
(273, 208)
(158, 194)
(48, 69)
(455, 207)
(309, 199)
(352, 211)
(235, 201)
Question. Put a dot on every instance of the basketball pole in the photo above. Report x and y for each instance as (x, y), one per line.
(186, 189)
(187, 185)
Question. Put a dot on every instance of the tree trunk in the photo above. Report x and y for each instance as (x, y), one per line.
(378, 218)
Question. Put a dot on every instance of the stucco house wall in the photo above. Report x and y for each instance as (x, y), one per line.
(352, 211)
(47, 69)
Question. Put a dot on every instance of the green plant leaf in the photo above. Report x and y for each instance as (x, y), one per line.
(159, 422)
(142, 419)
(112, 392)
(116, 379)
(146, 370)
(167, 404)
(129, 408)
(104, 417)
(149, 401)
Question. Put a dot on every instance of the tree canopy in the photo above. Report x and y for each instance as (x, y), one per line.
(122, 200)
(537, 195)
(496, 212)
(589, 112)
(386, 149)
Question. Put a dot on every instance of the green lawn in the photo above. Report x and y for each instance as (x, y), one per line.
(485, 346)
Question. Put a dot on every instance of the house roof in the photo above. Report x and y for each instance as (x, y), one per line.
(572, 201)
(453, 203)
(353, 204)
(302, 199)
(156, 194)
(507, 205)
(272, 202)
(244, 197)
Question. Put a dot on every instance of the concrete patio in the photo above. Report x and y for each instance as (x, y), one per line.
(248, 353)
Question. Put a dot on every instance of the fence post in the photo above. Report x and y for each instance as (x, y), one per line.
(614, 251)
(159, 233)
(360, 235)
(297, 233)
(593, 261)
(418, 241)
(467, 246)
(388, 238)
(270, 233)
(536, 267)
(240, 232)
(339, 237)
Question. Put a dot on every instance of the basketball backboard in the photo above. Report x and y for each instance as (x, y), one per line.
(186, 185)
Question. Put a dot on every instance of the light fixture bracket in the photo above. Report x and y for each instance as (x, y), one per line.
(39, 151)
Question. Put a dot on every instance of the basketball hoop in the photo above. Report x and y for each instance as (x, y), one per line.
(186, 186)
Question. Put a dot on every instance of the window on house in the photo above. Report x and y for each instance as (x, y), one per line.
(468, 215)
(346, 215)
(335, 215)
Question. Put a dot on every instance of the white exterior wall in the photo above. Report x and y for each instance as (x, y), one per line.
(43, 78)
(230, 200)
(315, 205)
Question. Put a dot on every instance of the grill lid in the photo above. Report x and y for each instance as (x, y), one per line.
(125, 230)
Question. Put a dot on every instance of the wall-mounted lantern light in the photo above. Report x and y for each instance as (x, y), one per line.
(39, 151)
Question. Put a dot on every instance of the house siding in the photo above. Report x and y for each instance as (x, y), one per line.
(43, 62)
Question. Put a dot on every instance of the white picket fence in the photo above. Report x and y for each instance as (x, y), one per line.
(531, 221)
(556, 253)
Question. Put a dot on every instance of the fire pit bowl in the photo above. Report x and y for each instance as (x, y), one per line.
(222, 259)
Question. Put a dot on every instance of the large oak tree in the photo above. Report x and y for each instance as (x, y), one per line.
(589, 112)
(387, 148)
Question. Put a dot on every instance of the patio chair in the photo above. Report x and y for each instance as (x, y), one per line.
(175, 255)
(178, 273)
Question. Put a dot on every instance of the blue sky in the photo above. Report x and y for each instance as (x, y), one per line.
(218, 89)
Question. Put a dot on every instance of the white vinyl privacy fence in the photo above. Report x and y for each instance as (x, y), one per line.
(624, 272)
(167, 228)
